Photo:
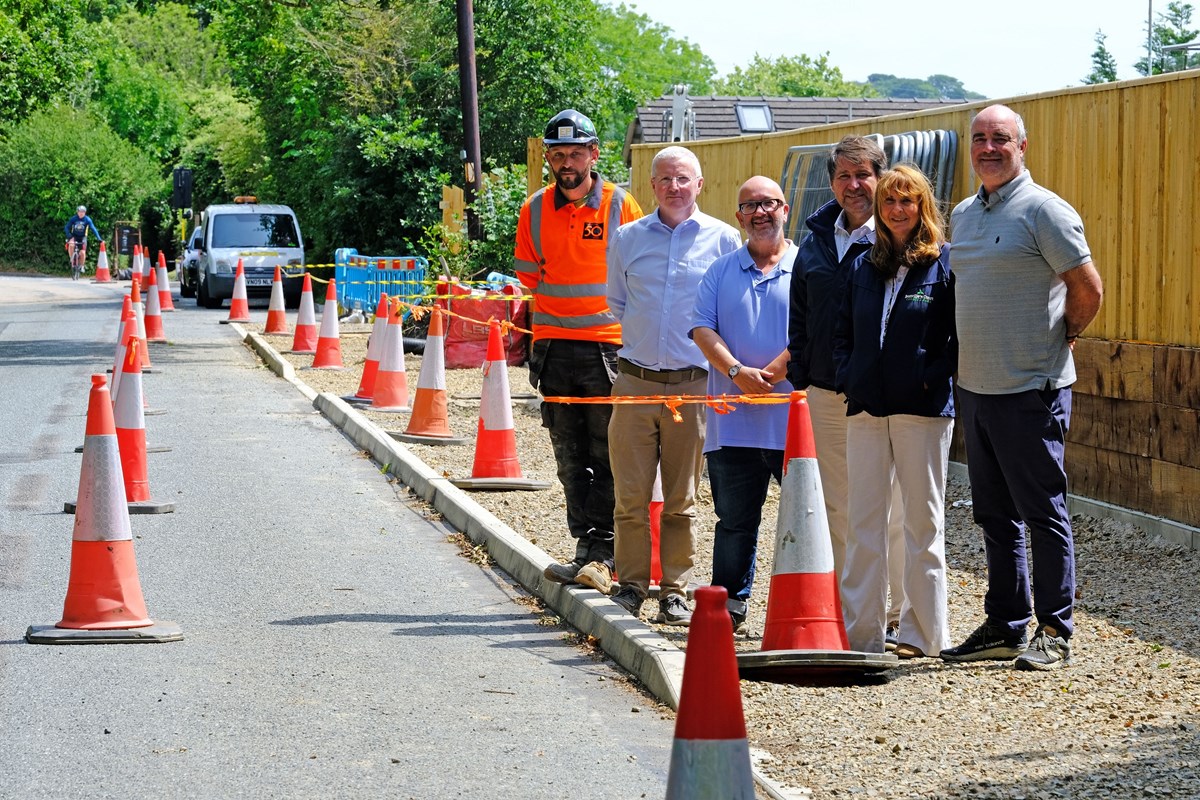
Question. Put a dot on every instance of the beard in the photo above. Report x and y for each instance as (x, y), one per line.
(570, 179)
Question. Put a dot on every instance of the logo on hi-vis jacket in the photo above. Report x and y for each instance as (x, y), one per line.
(593, 230)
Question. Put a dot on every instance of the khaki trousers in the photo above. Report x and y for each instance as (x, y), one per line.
(640, 438)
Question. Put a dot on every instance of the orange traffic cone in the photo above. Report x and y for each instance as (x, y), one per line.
(164, 287)
(366, 384)
(496, 465)
(710, 758)
(102, 273)
(305, 339)
(154, 323)
(104, 600)
(804, 633)
(129, 416)
(391, 380)
(239, 305)
(126, 329)
(277, 310)
(430, 420)
(139, 313)
(329, 343)
(146, 269)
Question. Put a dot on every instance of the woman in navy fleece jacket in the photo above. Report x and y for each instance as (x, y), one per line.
(896, 351)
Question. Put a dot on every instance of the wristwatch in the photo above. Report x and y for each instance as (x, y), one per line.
(734, 370)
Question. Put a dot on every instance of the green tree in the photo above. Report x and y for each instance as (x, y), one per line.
(1170, 29)
(1104, 66)
(642, 61)
(57, 158)
(45, 48)
(791, 76)
(952, 88)
(933, 87)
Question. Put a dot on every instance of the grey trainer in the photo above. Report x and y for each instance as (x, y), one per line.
(1047, 651)
(988, 643)
(563, 573)
(597, 575)
(673, 610)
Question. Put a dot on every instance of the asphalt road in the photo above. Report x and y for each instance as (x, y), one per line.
(336, 644)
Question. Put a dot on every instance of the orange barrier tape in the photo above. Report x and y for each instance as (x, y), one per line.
(721, 403)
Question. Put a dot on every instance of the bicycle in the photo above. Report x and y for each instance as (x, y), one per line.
(78, 254)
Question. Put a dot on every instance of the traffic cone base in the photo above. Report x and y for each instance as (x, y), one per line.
(162, 630)
(804, 637)
(496, 465)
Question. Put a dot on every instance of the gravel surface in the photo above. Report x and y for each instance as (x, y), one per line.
(1120, 722)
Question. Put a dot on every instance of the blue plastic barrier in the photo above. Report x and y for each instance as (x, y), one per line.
(361, 279)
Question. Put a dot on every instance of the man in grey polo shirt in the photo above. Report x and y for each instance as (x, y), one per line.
(1026, 288)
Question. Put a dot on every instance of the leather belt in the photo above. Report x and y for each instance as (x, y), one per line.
(661, 375)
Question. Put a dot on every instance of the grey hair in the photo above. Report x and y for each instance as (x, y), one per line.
(675, 153)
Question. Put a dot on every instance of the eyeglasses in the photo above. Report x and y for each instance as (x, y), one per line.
(769, 206)
(682, 181)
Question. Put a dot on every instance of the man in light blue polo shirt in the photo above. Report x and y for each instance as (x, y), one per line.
(741, 326)
(1026, 288)
(654, 268)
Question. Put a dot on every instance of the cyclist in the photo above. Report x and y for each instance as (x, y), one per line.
(76, 230)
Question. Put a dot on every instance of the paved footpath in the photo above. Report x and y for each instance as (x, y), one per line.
(336, 644)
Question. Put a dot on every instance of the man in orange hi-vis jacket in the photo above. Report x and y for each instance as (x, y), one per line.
(562, 240)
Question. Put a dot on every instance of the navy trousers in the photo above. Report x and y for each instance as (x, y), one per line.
(1015, 446)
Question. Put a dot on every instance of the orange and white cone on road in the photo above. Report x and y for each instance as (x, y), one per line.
(165, 302)
(146, 267)
(710, 757)
(366, 384)
(391, 380)
(655, 513)
(154, 322)
(496, 465)
(239, 305)
(126, 329)
(329, 342)
(104, 600)
(139, 314)
(430, 420)
(277, 310)
(102, 273)
(804, 633)
(305, 339)
(130, 420)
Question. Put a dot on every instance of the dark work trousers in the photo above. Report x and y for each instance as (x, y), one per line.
(579, 435)
(1015, 446)
(739, 477)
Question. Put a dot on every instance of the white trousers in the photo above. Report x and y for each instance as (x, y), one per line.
(912, 452)
(829, 420)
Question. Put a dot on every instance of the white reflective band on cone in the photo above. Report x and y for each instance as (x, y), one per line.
(804, 545)
(100, 504)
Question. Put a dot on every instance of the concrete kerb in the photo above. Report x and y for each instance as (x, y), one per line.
(635, 646)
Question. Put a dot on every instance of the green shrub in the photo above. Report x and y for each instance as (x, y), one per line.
(56, 159)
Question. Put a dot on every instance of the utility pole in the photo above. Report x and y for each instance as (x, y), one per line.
(469, 91)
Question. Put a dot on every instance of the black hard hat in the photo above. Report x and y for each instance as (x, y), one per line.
(570, 127)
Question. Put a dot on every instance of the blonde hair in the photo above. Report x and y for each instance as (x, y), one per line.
(925, 242)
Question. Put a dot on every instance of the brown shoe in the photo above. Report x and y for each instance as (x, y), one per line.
(597, 575)
(904, 651)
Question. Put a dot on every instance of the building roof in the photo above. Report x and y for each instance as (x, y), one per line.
(718, 115)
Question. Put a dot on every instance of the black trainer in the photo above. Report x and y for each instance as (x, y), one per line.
(629, 599)
(1047, 651)
(988, 642)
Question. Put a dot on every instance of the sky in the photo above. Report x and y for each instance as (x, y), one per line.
(997, 49)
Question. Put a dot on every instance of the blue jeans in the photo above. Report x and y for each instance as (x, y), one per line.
(1015, 446)
(579, 435)
(739, 477)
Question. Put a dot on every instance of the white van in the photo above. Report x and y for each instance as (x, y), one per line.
(263, 237)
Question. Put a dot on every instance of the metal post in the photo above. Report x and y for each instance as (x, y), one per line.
(469, 90)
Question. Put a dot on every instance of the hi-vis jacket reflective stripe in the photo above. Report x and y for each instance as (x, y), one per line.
(560, 259)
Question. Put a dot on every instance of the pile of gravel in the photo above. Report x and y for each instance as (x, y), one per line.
(1121, 722)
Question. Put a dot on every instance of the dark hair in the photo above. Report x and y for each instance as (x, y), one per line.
(857, 150)
(925, 242)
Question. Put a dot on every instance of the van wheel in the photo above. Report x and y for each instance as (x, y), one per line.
(203, 298)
